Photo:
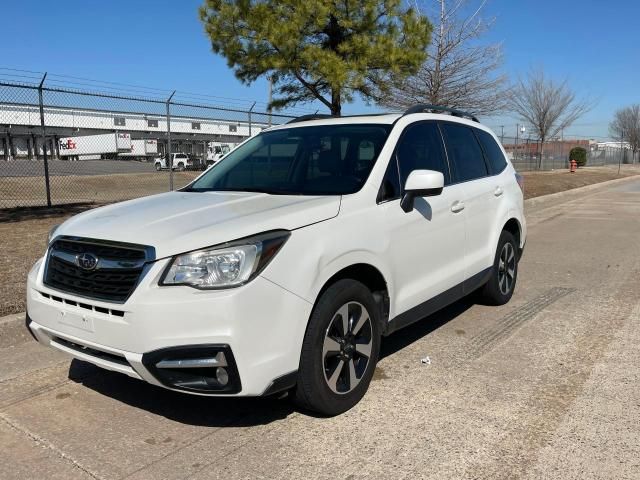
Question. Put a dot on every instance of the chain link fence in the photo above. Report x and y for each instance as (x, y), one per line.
(527, 154)
(62, 145)
(65, 146)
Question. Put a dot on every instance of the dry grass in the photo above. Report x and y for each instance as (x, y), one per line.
(87, 188)
(23, 242)
(24, 231)
(543, 183)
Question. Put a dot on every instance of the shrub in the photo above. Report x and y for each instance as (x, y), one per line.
(578, 154)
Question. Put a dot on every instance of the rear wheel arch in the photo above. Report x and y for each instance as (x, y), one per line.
(514, 228)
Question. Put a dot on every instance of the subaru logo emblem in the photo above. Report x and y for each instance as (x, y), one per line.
(87, 261)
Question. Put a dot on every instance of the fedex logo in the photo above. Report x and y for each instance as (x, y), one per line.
(69, 144)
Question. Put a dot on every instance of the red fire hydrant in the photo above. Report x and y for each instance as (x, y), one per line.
(573, 166)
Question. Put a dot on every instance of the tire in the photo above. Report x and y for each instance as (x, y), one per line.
(499, 289)
(181, 167)
(325, 350)
(158, 167)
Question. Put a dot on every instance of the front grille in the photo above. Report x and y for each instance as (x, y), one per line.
(106, 251)
(114, 279)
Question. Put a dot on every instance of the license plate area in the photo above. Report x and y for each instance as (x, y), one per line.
(81, 321)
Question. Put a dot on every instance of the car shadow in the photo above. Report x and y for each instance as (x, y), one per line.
(180, 407)
(232, 411)
(414, 332)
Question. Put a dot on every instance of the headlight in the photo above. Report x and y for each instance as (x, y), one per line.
(52, 233)
(227, 265)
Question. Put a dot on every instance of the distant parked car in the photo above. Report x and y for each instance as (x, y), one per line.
(181, 161)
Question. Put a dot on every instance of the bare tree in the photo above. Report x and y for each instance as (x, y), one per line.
(458, 72)
(548, 106)
(626, 126)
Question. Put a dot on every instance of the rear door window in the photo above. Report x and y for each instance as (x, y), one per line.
(492, 152)
(464, 152)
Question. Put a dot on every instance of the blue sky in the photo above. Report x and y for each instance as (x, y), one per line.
(161, 44)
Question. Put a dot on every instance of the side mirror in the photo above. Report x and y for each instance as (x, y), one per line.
(421, 183)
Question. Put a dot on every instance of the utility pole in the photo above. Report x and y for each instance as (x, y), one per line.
(250, 111)
(515, 155)
(270, 97)
(502, 134)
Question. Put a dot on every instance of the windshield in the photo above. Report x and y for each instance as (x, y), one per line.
(319, 160)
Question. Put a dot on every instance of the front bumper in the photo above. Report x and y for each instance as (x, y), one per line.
(260, 323)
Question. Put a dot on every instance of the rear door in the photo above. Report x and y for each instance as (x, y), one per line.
(471, 170)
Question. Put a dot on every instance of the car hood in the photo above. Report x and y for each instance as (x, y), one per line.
(178, 222)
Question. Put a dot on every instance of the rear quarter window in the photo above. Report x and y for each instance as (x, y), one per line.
(492, 152)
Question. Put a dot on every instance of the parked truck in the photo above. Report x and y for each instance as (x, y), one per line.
(216, 150)
(92, 147)
(141, 150)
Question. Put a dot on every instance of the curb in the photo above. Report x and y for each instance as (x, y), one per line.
(567, 195)
(15, 317)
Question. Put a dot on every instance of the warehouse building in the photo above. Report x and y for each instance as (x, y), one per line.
(21, 131)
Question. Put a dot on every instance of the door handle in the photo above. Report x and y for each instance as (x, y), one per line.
(498, 191)
(457, 207)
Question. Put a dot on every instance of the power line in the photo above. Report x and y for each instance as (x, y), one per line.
(75, 82)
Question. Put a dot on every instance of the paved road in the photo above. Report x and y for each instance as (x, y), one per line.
(545, 387)
(35, 168)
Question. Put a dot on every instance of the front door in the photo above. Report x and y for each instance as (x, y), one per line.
(427, 244)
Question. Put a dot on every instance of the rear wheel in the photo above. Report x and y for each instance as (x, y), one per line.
(340, 349)
(181, 167)
(158, 167)
(504, 273)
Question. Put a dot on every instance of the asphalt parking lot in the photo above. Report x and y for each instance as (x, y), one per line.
(26, 168)
(544, 387)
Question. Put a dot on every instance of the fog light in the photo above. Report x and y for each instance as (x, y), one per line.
(222, 376)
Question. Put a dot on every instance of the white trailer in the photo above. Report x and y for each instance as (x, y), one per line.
(94, 146)
(141, 150)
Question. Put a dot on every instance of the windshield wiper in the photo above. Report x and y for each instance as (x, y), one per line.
(252, 190)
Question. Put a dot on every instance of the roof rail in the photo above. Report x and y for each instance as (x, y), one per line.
(423, 108)
(312, 116)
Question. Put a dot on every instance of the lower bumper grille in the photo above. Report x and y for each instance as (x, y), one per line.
(110, 357)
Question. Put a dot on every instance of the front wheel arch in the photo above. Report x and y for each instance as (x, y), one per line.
(369, 276)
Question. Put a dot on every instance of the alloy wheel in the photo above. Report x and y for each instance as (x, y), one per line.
(347, 347)
(506, 268)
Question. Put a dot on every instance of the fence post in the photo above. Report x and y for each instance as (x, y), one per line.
(44, 142)
(169, 157)
(251, 110)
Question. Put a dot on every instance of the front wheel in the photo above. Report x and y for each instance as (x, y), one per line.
(504, 273)
(340, 349)
(158, 167)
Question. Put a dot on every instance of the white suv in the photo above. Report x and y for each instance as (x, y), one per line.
(180, 162)
(283, 266)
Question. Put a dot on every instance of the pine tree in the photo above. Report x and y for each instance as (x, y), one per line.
(318, 50)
